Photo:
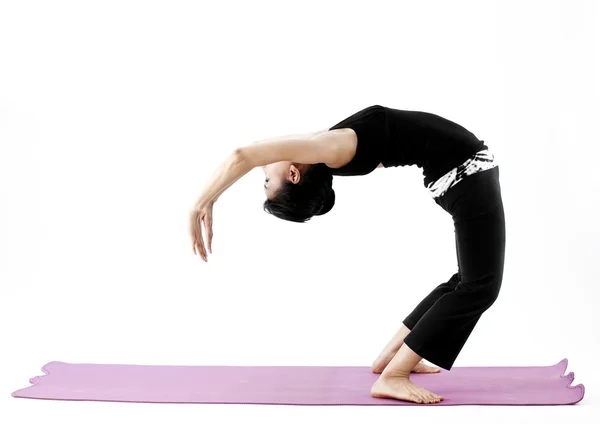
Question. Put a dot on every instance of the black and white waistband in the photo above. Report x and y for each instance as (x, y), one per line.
(480, 161)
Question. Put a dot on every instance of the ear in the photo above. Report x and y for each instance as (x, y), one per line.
(294, 174)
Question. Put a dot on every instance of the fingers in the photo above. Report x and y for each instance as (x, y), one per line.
(200, 239)
(209, 231)
(192, 230)
(199, 218)
(207, 221)
(197, 235)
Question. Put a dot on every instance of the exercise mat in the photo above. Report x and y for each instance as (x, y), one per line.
(296, 385)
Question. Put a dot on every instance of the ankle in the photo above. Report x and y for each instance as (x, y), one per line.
(395, 374)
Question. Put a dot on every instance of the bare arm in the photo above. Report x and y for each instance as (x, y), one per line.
(290, 136)
(318, 147)
(311, 148)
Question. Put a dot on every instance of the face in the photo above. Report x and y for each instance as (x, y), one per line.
(278, 172)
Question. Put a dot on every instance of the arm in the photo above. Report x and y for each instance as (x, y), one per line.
(319, 147)
(291, 136)
(311, 148)
(229, 171)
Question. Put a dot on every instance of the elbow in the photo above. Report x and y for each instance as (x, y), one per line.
(239, 157)
(238, 153)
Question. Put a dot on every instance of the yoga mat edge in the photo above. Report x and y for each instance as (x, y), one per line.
(561, 366)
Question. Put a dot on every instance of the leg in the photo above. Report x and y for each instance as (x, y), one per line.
(478, 216)
(442, 332)
(439, 335)
(395, 383)
(392, 348)
(410, 321)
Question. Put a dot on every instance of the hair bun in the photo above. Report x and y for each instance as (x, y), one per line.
(327, 204)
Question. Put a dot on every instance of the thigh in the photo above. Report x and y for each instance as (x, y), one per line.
(480, 242)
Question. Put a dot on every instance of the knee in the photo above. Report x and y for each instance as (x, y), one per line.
(486, 289)
(493, 296)
(493, 289)
(454, 280)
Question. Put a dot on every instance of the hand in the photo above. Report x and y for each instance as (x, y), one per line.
(199, 215)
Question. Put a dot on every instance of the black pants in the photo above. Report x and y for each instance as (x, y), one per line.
(442, 322)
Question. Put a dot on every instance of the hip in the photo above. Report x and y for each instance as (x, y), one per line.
(479, 162)
(474, 195)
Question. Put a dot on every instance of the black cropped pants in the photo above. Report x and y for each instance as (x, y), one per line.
(442, 322)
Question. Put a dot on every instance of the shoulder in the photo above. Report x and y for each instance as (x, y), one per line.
(349, 132)
(343, 141)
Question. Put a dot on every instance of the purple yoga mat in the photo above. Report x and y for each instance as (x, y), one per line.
(302, 385)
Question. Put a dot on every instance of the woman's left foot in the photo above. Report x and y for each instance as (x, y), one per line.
(381, 362)
(422, 368)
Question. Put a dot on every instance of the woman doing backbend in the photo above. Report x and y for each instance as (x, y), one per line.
(462, 177)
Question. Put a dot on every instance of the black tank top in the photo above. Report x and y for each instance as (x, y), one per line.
(397, 137)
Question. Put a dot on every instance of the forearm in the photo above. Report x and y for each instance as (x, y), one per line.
(231, 170)
(244, 159)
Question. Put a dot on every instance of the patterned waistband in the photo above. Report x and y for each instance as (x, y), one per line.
(480, 161)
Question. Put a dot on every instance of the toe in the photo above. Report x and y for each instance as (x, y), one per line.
(423, 395)
(432, 396)
(414, 397)
(418, 395)
(432, 369)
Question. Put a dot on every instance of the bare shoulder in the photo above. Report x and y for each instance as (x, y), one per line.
(343, 141)
(332, 147)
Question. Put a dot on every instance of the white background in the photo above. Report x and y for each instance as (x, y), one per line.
(113, 115)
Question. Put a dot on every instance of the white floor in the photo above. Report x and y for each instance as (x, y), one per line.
(32, 411)
(113, 116)
(25, 349)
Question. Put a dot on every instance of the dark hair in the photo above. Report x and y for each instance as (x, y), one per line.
(312, 195)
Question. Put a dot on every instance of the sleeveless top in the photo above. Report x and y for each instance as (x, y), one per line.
(395, 137)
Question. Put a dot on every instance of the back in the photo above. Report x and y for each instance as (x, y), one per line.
(397, 137)
(429, 141)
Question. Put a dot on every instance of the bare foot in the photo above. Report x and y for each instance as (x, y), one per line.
(402, 388)
(422, 368)
(382, 362)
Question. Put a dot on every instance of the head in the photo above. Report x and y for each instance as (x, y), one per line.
(296, 192)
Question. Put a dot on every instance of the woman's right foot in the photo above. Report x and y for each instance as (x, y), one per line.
(402, 388)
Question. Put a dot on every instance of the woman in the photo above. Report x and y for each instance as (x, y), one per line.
(462, 177)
